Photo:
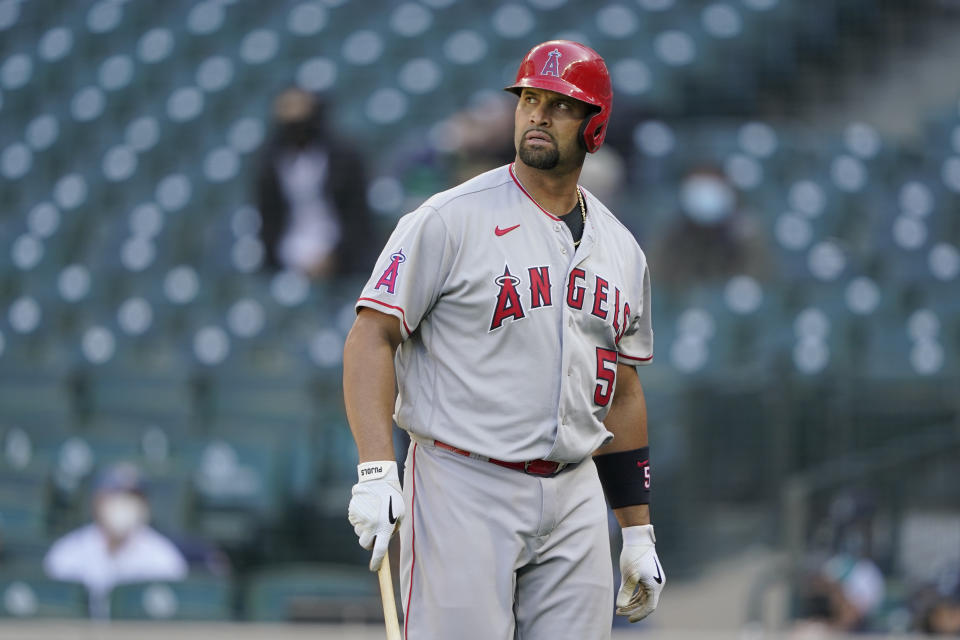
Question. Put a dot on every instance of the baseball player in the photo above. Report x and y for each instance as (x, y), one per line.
(510, 312)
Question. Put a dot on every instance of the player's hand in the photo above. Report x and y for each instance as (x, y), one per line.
(376, 507)
(642, 576)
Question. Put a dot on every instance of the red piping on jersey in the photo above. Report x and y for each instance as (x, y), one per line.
(527, 193)
(647, 359)
(403, 316)
(413, 537)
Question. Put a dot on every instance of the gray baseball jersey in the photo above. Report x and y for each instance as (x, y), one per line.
(511, 334)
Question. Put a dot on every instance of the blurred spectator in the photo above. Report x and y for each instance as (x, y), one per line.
(604, 175)
(856, 587)
(118, 546)
(842, 595)
(312, 194)
(477, 138)
(712, 238)
(937, 604)
(942, 618)
(844, 590)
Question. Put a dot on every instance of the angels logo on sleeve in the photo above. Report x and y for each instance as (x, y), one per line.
(391, 273)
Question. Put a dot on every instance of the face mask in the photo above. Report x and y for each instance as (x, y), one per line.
(121, 514)
(706, 199)
(298, 133)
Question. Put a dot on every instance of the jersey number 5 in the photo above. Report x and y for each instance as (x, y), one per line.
(606, 375)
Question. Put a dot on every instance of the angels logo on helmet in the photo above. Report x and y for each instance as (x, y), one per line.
(552, 65)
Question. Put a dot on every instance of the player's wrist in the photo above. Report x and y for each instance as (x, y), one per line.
(636, 535)
(377, 470)
(633, 515)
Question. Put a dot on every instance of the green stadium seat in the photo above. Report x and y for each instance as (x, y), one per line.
(268, 395)
(339, 449)
(159, 437)
(144, 377)
(295, 439)
(171, 500)
(28, 594)
(32, 440)
(114, 445)
(198, 597)
(316, 593)
(34, 384)
(25, 500)
(239, 484)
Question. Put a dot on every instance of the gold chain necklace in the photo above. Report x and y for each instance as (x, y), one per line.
(583, 216)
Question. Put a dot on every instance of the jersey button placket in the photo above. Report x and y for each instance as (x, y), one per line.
(559, 228)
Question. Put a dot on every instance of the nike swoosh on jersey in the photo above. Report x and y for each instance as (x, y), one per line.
(501, 232)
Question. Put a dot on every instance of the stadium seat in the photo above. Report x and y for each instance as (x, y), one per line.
(239, 485)
(25, 501)
(338, 455)
(883, 409)
(27, 594)
(34, 383)
(28, 439)
(198, 597)
(167, 395)
(315, 593)
(267, 394)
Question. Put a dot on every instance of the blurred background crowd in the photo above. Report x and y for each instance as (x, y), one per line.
(192, 193)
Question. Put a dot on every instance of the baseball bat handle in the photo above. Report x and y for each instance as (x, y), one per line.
(387, 597)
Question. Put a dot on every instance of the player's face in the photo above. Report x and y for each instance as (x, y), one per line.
(547, 126)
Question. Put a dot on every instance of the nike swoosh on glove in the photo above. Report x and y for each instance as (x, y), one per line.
(642, 576)
(376, 506)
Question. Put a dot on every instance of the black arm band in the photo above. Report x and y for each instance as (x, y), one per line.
(625, 477)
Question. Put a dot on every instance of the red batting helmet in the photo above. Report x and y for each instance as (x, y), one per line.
(574, 70)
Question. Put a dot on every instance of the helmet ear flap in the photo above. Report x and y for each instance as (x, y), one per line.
(591, 130)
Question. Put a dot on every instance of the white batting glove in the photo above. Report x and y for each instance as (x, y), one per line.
(642, 576)
(376, 507)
